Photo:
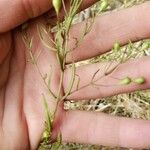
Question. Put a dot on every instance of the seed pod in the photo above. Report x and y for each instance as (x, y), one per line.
(57, 5)
(104, 5)
(125, 81)
(140, 80)
(117, 46)
(145, 46)
(45, 135)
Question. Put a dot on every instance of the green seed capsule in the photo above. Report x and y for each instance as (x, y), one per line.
(45, 135)
(117, 46)
(57, 5)
(140, 80)
(104, 5)
(145, 46)
(125, 81)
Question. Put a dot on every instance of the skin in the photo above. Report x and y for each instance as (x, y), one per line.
(21, 87)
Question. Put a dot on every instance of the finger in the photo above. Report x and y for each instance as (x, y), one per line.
(102, 129)
(13, 13)
(129, 24)
(13, 102)
(5, 48)
(102, 80)
(4, 71)
(86, 4)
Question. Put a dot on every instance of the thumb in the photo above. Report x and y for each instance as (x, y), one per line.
(15, 12)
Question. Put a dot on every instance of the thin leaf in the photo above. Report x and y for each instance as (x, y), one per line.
(47, 114)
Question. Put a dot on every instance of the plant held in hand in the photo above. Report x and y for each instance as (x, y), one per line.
(61, 49)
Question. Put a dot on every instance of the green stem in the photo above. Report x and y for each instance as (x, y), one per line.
(71, 83)
(60, 86)
(50, 91)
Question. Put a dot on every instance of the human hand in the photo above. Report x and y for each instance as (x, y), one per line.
(22, 114)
